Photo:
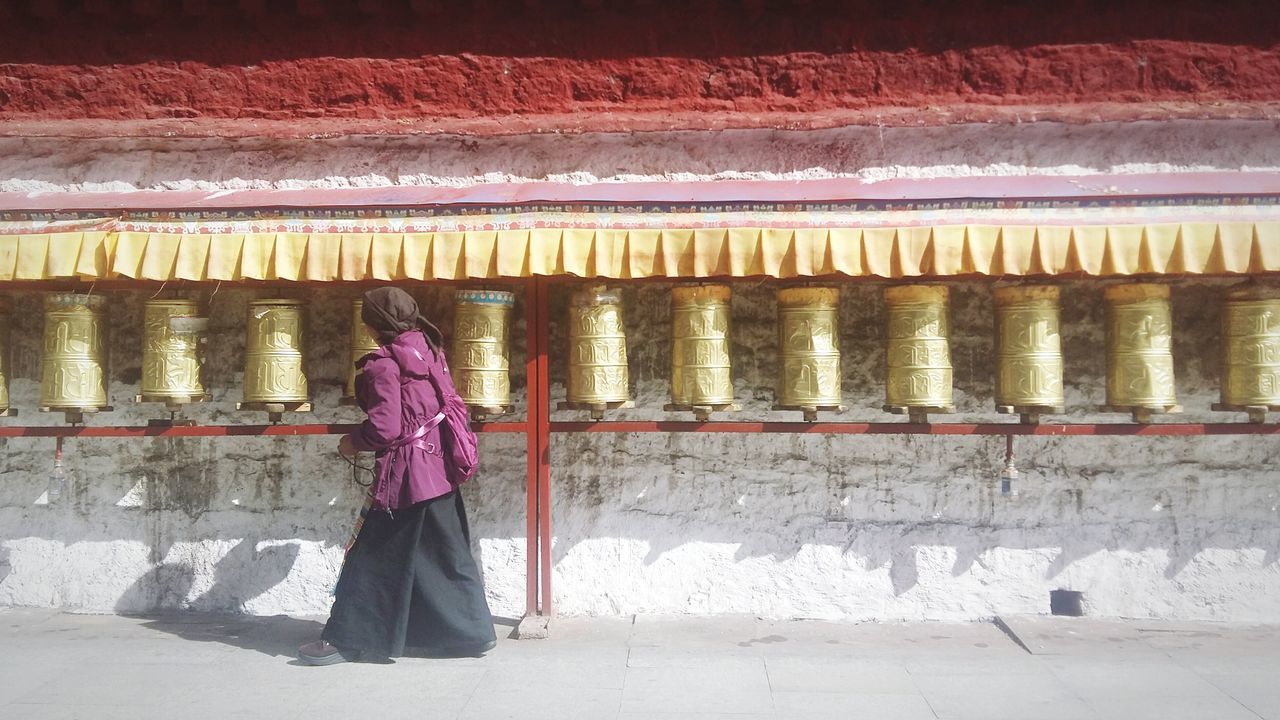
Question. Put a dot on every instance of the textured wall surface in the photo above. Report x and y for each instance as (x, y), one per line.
(241, 524)
(618, 66)
(848, 527)
(53, 165)
(781, 526)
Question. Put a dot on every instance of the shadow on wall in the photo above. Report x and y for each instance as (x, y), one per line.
(241, 575)
(896, 545)
(874, 502)
(925, 500)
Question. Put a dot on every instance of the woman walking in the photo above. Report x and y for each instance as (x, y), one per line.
(409, 579)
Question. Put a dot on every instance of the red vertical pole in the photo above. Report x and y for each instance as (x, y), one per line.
(544, 441)
(532, 364)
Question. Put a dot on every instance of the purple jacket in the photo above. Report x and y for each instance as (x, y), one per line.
(394, 388)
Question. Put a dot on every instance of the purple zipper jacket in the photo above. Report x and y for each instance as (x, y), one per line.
(394, 388)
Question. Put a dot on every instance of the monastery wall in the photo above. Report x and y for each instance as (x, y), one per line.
(495, 67)
(854, 527)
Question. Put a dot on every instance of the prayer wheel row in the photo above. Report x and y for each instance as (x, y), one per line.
(1028, 374)
(75, 360)
(1029, 365)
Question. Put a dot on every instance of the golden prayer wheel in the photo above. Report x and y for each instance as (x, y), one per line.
(274, 341)
(598, 374)
(481, 359)
(1139, 350)
(362, 343)
(809, 350)
(5, 310)
(918, 353)
(1028, 351)
(1251, 352)
(74, 369)
(701, 371)
(171, 360)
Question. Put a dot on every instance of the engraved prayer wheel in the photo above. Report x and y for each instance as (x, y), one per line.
(701, 371)
(1251, 350)
(171, 361)
(919, 352)
(598, 373)
(1139, 350)
(74, 368)
(274, 341)
(362, 343)
(1028, 350)
(481, 359)
(5, 310)
(809, 348)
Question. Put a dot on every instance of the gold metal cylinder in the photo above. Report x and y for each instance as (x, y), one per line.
(919, 353)
(481, 358)
(5, 350)
(1029, 348)
(1139, 347)
(701, 370)
(274, 342)
(362, 343)
(1251, 348)
(808, 348)
(74, 368)
(170, 360)
(597, 348)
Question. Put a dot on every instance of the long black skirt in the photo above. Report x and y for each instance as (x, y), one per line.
(410, 580)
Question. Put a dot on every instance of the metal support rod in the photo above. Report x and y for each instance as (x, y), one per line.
(197, 431)
(665, 426)
(852, 428)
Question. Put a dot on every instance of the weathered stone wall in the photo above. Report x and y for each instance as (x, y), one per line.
(859, 154)
(241, 524)
(503, 67)
(848, 527)
(914, 527)
(854, 527)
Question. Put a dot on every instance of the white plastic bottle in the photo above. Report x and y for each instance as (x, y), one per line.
(57, 479)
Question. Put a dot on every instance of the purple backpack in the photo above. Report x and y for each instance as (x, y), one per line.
(460, 452)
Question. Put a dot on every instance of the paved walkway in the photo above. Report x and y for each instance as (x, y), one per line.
(65, 666)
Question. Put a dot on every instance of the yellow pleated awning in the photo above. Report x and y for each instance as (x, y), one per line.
(884, 252)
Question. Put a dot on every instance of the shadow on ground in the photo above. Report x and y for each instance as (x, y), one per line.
(277, 635)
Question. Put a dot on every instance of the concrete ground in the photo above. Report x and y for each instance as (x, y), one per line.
(64, 666)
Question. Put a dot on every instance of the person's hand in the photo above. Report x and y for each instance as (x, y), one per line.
(346, 447)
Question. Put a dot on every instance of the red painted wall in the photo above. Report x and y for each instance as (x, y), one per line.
(498, 67)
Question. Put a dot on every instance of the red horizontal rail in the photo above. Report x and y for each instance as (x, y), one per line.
(677, 426)
(848, 428)
(215, 430)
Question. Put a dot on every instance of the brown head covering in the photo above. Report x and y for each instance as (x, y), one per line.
(391, 311)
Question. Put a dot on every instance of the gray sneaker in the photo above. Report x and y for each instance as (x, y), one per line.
(322, 653)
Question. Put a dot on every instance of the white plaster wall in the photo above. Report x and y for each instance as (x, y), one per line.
(862, 153)
(236, 524)
(781, 526)
(867, 527)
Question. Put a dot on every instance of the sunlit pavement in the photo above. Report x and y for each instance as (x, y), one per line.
(191, 666)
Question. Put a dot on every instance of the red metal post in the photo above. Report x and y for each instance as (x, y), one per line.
(543, 432)
(533, 361)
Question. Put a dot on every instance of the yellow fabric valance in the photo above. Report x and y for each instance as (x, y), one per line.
(893, 252)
